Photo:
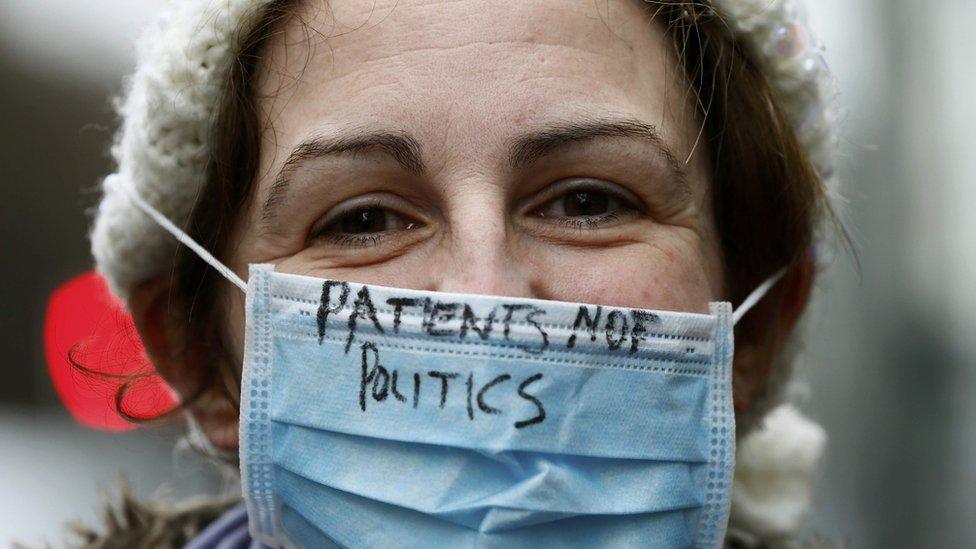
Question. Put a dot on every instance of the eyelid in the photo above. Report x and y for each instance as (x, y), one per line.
(561, 187)
(387, 201)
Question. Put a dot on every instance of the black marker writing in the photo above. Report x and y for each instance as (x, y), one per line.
(470, 384)
(416, 389)
(393, 387)
(380, 392)
(616, 324)
(398, 304)
(509, 311)
(444, 377)
(541, 416)
(325, 310)
(470, 321)
(583, 317)
(484, 390)
(377, 382)
(641, 320)
(362, 308)
(530, 318)
(440, 313)
(368, 374)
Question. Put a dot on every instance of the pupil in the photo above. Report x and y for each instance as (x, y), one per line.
(586, 203)
(369, 220)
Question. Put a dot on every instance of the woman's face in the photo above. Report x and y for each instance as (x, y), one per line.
(541, 149)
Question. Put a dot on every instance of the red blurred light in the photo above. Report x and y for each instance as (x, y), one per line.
(86, 320)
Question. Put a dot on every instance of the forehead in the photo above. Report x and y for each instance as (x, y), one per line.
(471, 72)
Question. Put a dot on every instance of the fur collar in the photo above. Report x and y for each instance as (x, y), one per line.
(129, 522)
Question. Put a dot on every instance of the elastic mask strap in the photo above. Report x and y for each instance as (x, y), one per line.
(177, 233)
(757, 294)
(230, 275)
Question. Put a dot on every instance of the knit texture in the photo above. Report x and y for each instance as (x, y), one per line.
(775, 464)
(163, 146)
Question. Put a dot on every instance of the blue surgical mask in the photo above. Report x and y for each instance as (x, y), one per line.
(378, 417)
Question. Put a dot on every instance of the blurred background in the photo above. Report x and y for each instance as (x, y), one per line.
(890, 363)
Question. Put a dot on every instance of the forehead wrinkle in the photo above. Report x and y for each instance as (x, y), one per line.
(395, 31)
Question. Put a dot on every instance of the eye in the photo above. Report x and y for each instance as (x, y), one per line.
(585, 202)
(581, 203)
(362, 223)
(370, 220)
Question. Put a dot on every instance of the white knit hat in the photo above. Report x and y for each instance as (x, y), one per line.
(163, 147)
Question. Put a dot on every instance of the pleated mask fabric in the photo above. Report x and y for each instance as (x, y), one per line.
(375, 416)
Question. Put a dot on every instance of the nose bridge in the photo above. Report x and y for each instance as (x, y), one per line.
(481, 256)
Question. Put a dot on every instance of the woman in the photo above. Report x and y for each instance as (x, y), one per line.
(645, 157)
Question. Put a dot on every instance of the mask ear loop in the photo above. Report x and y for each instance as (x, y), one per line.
(748, 303)
(177, 233)
(757, 294)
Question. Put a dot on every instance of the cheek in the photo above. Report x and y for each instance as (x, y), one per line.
(640, 275)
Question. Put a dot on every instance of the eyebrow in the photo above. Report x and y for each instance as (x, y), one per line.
(402, 148)
(523, 150)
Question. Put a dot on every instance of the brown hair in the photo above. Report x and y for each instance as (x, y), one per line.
(768, 198)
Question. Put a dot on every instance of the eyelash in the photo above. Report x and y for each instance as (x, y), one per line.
(587, 223)
(353, 240)
(581, 224)
(627, 204)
